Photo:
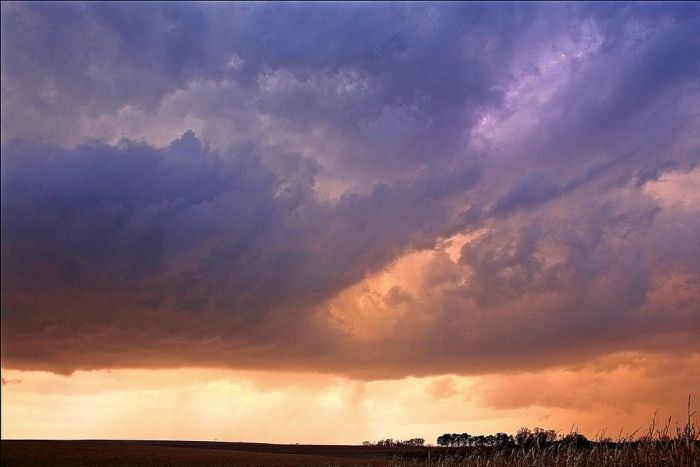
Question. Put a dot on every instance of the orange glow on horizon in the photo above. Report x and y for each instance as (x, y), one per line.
(196, 404)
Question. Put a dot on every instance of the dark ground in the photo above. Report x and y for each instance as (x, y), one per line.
(198, 453)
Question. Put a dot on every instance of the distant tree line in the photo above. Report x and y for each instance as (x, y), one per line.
(413, 442)
(524, 437)
(537, 437)
(465, 439)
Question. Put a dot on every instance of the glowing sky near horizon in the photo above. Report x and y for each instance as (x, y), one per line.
(415, 218)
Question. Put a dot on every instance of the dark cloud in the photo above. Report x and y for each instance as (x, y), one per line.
(329, 141)
(107, 235)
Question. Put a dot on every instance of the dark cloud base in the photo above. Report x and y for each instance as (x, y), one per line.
(127, 253)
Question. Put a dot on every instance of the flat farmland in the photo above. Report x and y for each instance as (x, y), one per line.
(197, 453)
(652, 452)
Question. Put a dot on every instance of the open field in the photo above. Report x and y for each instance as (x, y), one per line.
(202, 453)
(195, 453)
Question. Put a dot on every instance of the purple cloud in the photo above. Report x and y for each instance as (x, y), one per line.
(200, 184)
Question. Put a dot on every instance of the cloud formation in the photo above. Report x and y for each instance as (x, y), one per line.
(232, 405)
(369, 190)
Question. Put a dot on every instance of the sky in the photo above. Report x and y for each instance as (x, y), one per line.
(353, 221)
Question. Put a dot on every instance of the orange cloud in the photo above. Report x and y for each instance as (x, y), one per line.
(442, 388)
(617, 392)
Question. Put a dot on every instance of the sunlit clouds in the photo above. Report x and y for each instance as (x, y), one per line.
(618, 394)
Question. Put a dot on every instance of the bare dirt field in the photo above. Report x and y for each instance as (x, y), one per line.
(653, 453)
(196, 453)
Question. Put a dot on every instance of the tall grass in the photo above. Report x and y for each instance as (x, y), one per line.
(661, 446)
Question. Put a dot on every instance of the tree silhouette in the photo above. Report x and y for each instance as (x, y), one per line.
(577, 440)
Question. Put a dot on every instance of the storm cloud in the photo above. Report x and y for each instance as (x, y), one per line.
(367, 190)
